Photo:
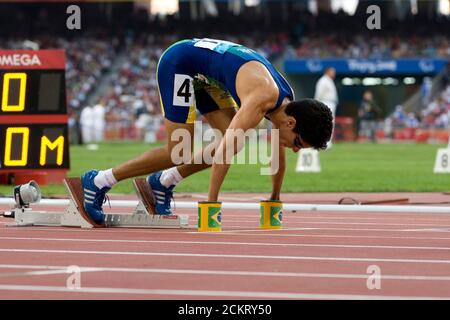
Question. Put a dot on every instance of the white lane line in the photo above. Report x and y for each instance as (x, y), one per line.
(329, 220)
(181, 242)
(436, 229)
(154, 232)
(211, 293)
(320, 228)
(237, 256)
(50, 270)
(396, 219)
(299, 221)
(238, 224)
(335, 236)
(41, 272)
(229, 198)
(238, 227)
(309, 235)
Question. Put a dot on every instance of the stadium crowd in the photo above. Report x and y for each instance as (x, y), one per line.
(116, 67)
(435, 115)
(84, 68)
(131, 97)
(334, 45)
(335, 35)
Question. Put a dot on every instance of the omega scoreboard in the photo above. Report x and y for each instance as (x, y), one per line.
(33, 114)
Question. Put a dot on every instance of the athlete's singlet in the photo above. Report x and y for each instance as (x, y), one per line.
(201, 73)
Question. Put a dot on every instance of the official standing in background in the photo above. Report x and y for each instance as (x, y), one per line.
(87, 124)
(98, 112)
(326, 91)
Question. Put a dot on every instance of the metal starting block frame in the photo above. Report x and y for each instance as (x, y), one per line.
(74, 214)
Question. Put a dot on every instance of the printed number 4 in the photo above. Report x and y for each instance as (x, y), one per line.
(183, 91)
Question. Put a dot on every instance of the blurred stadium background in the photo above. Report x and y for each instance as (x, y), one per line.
(112, 62)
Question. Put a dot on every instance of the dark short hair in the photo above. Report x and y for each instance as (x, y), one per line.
(314, 121)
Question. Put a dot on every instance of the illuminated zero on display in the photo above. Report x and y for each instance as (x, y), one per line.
(14, 89)
(23, 159)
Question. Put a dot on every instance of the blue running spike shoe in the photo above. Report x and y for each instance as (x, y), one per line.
(163, 195)
(93, 196)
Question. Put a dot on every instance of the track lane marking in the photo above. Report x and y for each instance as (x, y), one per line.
(116, 231)
(237, 256)
(227, 243)
(326, 229)
(51, 270)
(211, 293)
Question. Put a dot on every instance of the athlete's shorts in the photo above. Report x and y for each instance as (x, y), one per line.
(183, 92)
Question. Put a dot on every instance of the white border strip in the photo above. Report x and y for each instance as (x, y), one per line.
(211, 293)
(256, 206)
(53, 270)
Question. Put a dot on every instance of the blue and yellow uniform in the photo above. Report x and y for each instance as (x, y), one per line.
(201, 74)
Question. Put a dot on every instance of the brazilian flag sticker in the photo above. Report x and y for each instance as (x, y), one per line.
(214, 217)
(276, 216)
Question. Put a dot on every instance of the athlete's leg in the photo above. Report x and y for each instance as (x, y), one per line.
(178, 108)
(155, 159)
(163, 183)
(97, 183)
(220, 120)
(218, 108)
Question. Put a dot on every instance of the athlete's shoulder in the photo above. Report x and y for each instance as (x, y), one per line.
(254, 79)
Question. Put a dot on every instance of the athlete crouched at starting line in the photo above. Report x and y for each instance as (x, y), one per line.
(233, 87)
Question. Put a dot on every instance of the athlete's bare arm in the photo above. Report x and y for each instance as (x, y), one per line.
(278, 177)
(258, 93)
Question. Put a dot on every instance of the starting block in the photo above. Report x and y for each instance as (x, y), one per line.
(74, 214)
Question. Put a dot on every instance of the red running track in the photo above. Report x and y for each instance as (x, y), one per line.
(315, 256)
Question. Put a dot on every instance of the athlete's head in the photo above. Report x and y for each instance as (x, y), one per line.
(308, 123)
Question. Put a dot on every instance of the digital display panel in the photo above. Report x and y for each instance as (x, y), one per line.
(33, 91)
(34, 146)
(33, 110)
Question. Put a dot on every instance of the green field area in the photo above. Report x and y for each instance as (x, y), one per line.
(345, 167)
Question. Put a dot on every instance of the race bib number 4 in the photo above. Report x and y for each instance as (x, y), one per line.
(183, 91)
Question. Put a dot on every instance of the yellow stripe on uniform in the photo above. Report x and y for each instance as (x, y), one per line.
(222, 98)
(192, 116)
(161, 104)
